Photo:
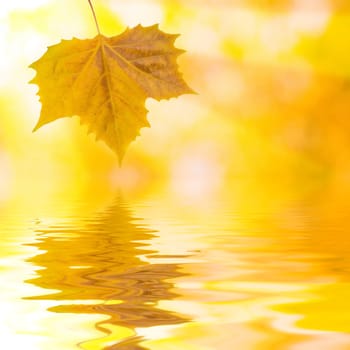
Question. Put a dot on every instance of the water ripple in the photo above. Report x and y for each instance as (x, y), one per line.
(97, 268)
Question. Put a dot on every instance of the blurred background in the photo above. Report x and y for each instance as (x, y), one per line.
(273, 98)
(268, 133)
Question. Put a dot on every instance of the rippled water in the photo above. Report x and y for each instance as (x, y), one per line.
(160, 274)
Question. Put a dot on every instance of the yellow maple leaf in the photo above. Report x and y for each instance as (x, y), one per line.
(105, 81)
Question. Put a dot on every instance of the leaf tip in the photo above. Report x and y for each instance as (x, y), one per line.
(179, 52)
(36, 127)
(33, 65)
(174, 36)
(191, 91)
(120, 155)
(33, 81)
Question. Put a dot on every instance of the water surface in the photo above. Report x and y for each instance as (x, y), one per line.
(170, 273)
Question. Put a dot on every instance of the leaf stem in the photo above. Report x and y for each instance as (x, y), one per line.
(95, 18)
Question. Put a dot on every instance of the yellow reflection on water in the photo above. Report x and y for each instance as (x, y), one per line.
(97, 268)
(263, 266)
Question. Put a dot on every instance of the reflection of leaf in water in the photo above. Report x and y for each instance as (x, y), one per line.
(100, 261)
